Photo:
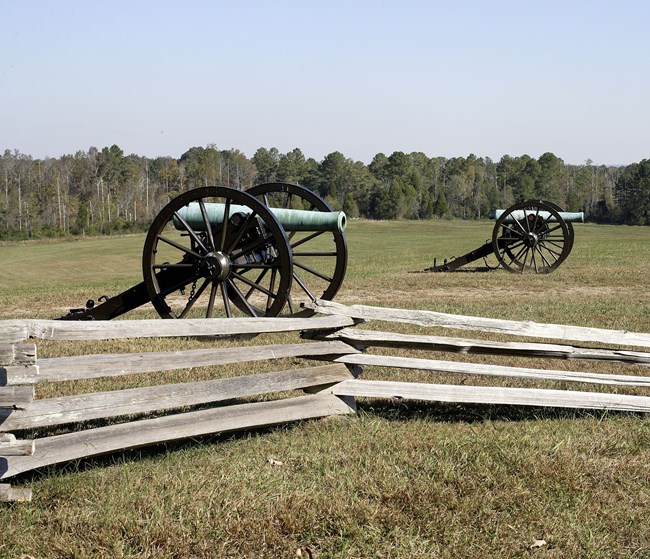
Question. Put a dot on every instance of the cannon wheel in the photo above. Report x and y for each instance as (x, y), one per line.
(319, 258)
(538, 243)
(199, 271)
(569, 240)
(568, 224)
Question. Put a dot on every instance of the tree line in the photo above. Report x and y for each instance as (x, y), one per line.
(105, 191)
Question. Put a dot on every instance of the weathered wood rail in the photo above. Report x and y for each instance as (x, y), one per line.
(498, 326)
(20, 371)
(15, 357)
(333, 338)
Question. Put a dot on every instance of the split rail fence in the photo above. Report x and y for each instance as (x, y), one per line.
(332, 337)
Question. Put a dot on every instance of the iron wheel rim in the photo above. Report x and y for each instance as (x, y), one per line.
(537, 241)
(212, 260)
(309, 281)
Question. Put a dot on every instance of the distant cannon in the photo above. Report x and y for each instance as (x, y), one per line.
(217, 251)
(534, 236)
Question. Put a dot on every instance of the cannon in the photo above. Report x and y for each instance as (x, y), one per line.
(534, 236)
(217, 251)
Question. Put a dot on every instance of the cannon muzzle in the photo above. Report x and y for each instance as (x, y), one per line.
(291, 220)
(518, 215)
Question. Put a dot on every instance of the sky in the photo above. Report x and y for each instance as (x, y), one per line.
(446, 78)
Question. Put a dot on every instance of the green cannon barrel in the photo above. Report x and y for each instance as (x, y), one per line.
(518, 215)
(291, 220)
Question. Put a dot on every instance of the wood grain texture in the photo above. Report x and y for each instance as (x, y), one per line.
(12, 397)
(14, 494)
(57, 411)
(18, 354)
(13, 375)
(491, 370)
(13, 331)
(510, 327)
(103, 440)
(10, 446)
(18, 330)
(491, 395)
(361, 338)
(107, 365)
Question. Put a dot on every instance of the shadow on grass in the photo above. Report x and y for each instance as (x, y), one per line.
(462, 270)
(393, 410)
(408, 410)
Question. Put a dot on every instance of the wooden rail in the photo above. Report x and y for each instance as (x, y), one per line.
(70, 409)
(305, 391)
(362, 339)
(459, 322)
(12, 331)
(20, 371)
(15, 357)
(109, 365)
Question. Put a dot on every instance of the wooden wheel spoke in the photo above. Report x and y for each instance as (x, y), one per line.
(534, 260)
(544, 244)
(556, 238)
(509, 248)
(167, 266)
(179, 246)
(302, 286)
(523, 264)
(251, 284)
(311, 270)
(242, 229)
(224, 225)
(178, 286)
(521, 227)
(226, 299)
(245, 267)
(251, 247)
(527, 221)
(274, 273)
(555, 227)
(207, 224)
(307, 239)
(241, 297)
(513, 231)
(546, 262)
(194, 299)
(213, 294)
(516, 257)
(191, 232)
(257, 282)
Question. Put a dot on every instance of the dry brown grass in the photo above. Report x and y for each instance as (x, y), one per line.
(399, 479)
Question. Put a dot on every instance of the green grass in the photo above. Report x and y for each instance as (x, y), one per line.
(399, 479)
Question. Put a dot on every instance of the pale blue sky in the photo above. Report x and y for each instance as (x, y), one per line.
(445, 78)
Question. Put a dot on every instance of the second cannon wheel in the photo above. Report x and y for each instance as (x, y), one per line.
(319, 258)
(532, 237)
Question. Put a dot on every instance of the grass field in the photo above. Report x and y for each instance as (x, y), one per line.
(397, 480)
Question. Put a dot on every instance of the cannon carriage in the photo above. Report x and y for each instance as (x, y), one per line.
(534, 236)
(216, 251)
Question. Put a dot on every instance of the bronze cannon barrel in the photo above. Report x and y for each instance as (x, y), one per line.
(518, 215)
(291, 220)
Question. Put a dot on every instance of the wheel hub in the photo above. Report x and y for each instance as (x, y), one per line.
(531, 240)
(216, 266)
